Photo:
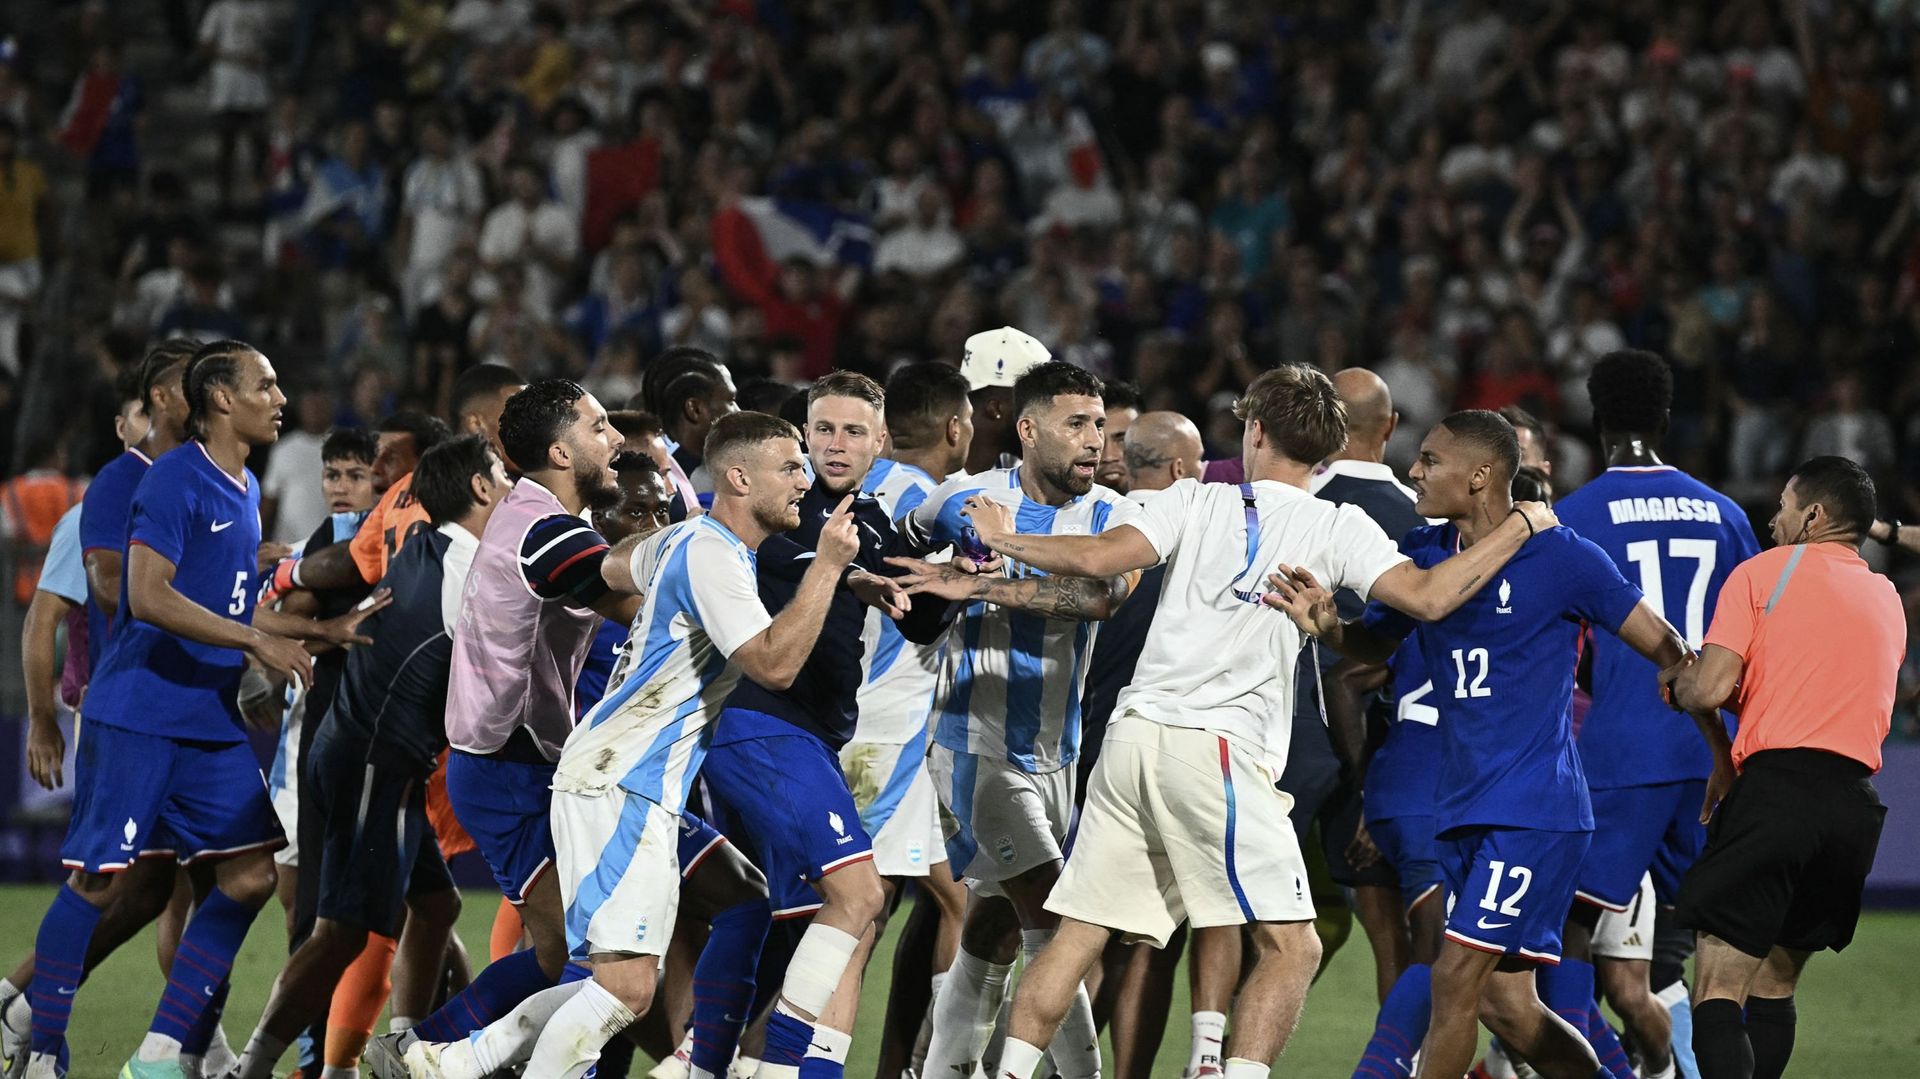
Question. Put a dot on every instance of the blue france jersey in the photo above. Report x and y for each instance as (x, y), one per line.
(1502, 668)
(1400, 778)
(1679, 539)
(649, 733)
(1011, 681)
(104, 515)
(207, 523)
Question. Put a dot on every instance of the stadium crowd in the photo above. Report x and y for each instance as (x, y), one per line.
(416, 208)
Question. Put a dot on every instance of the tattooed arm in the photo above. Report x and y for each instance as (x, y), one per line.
(1069, 599)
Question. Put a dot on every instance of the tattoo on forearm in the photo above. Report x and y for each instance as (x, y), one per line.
(1471, 581)
(1067, 598)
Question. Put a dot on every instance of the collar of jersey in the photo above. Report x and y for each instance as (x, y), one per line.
(224, 474)
(1013, 481)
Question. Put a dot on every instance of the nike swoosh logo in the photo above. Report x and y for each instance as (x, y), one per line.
(1482, 923)
(65, 992)
(222, 526)
(208, 990)
(804, 555)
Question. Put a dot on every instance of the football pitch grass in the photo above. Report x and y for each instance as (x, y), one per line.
(1857, 1011)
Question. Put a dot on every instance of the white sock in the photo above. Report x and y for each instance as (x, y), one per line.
(336, 1071)
(1075, 1049)
(263, 1052)
(8, 991)
(1018, 1059)
(829, 1044)
(815, 970)
(1242, 1068)
(158, 1048)
(997, 1041)
(1209, 1040)
(743, 1067)
(219, 1057)
(964, 1014)
(18, 1017)
(685, 1049)
(574, 1036)
(509, 1040)
(400, 1024)
(1668, 1072)
(777, 1071)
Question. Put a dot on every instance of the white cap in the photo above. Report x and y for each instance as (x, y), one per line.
(999, 357)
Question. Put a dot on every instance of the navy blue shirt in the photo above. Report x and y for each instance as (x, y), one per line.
(822, 698)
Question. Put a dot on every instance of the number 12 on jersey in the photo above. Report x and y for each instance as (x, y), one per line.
(1477, 659)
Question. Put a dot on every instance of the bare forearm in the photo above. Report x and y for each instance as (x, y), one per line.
(37, 638)
(103, 581)
(1715, 734)
(285, 624)
(795, 630)
(1357, 642)
(1080, 556)
(331, 567)
(1072, 599)
(165, 608)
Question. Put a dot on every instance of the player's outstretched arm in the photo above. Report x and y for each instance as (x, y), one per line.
(326, 633)
(773, 657)
(1432, 594)
(103, 580)
(1651, 635)
(1069, 599)
(1120, 550)
(152, 599)
(1297, 593)
(46, 747)
(1708, 683)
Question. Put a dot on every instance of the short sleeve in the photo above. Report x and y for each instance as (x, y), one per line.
(103, 517)
(1597, 591)
(1737, 614)
(62, 573)
(560, 558)
(1362, 551)
(369, 546)
(937, 521)
(162, 519)
(1387, 621)
(1163, 517)
(726, 598)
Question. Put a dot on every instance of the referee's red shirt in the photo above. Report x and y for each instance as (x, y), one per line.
(1823, 637)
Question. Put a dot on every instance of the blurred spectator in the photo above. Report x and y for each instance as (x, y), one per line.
(441, 201)
(100, 124)
(1847, 428)
(23, 190)
(292, 505)
(532, 233)
(201, 310)
(923, 246)
(233, 37)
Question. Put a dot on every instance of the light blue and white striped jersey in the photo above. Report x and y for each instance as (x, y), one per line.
(897, 676)
(649, 733)
(1010, 683)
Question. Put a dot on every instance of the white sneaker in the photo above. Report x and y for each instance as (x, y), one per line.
(16, 1036)
(43, 1066)
(743, 1067)
(423, 1060)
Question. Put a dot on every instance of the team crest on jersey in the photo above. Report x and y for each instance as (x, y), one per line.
(640, 931)
(1506, 598)
(1006, 849)
(915, 854)
(839, 825)
(130, 831)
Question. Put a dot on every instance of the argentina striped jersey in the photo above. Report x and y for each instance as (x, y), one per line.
(649, 733)
(1010, 683)
(898, 676)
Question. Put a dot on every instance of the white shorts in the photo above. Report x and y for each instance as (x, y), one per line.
(1181, 824)
(898, 808)
(618, 859)
(1628, 934)
(283, 782)
(999, 821)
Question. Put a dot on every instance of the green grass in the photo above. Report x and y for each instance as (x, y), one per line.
(1856, 1011)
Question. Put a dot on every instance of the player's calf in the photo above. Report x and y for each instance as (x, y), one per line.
(1513, 1011)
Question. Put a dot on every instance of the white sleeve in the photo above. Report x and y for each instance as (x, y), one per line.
(211, 23)
(726, 600)
(1163, 517)
(1361, 551)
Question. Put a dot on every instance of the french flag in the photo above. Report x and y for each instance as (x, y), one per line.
(781, 229)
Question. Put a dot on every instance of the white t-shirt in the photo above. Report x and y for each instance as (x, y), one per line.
(293, 482)
(238, 28)
(1222, 662)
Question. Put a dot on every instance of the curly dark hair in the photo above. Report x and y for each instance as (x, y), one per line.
(1631, 389)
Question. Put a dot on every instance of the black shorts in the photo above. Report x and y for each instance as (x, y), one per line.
(1787, 854)
(377, 846)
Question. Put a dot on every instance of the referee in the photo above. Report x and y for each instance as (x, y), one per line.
(1805, 645)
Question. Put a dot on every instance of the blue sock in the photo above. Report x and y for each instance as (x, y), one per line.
(723, 983)
(1401, 1028)
(1682, 1012)
(59, 965)
(1568, 990)
(575, 972)
(196, 1042)
(1606, 1044)
(213, 937)
(493, 993)
(787, 1039)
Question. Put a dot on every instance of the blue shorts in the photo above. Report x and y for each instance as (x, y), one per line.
(697, 840)
(1640, 829)
(506, 806)
(143, 794)
(792, 806)
(1408, 846)
(379, 849)
(1509, 889)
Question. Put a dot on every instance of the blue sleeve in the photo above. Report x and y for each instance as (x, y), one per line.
(909, 501)
(1388, 622)
(103, 518)
(1596, 591)
(162, 516)
(561, 557)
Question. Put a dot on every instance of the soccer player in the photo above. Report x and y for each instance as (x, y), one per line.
(1007, 715)
(1647, 773)
(1806, 645)
(373, 752)
(774, 760)
(645, 501)
(1122, 402)
(1512, 813)
(164, 751)
(689, 389)
(1183, 805)
(929, 429)
(624, 776)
